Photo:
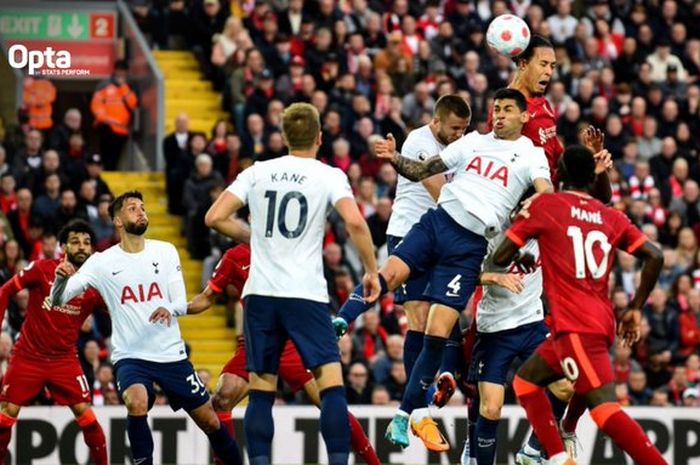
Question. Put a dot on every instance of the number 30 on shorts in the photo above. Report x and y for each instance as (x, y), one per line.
(196, 384)
(568, 365)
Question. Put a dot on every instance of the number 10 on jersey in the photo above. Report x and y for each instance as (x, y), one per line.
(271, 197)
(583, 252)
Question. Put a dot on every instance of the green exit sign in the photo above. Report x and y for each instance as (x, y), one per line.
(44, 25)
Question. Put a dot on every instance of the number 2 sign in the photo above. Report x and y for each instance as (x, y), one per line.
(102, 26)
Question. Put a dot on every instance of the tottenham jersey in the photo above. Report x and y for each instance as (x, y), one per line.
(499, 309)
(134, 285)
(491, 175)
(289, 199)
(412, 198)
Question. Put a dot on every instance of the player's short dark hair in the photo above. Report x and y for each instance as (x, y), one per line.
(576, 167)
(452, 104)
(117, 203)
(512, 94)
(536, 41)
(76, 226)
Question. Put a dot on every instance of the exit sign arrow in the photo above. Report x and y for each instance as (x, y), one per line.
(75, 29)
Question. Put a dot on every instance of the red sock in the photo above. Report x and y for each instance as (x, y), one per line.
(577, 406)
(626, 433)
(94, 437)
(360, 443)
(6, 424)
(539, 413)
(227, 419)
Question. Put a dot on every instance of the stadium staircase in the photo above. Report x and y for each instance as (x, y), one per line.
(211, 342)
(187, 90)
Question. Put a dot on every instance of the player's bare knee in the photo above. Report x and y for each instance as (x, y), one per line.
(328, 375)
(600, 395)
(11, 410)
(136, 401)
(223, 400)
(417, 315)
(562, 389)
(395, 272)
(206, 418)
(490, 410)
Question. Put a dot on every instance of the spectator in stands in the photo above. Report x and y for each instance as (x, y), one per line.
(93, 171)
(68, 209)
(381, 369)
(175, 147)
(102, 384)
(28, 159)
(253, 140)
(638, 391)
(207, 19)
(47, 204)
(72, 124)
(113, 105)
(22, 219)
(358, 386)
(370, 339)
(195, 196)
(379, 221)
(663, 320)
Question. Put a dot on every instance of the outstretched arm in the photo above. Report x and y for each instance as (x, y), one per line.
(201, 302)
(413, 170)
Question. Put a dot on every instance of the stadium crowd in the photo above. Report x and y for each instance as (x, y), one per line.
(372, 67)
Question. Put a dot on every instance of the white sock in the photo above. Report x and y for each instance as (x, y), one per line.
(530, 451)
(418, 414)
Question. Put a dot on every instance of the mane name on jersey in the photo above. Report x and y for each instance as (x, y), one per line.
(493, 171)
(584, 215)
(289, 177)
(140, 294)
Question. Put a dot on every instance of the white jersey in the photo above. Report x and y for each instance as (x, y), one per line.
(491, 175)
(499, 309)
(289, 199)
(134, 285)
(412, 198)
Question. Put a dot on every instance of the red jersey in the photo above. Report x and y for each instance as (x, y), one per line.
(577, 236)
(46, 334)
(233, 268)
(541, 129)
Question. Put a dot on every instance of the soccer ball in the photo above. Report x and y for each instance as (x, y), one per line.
(508, 35)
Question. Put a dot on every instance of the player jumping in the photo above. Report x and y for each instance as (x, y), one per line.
(451, 117)
(492, 172)
(577, 234)
(141, 282)
(49, 338)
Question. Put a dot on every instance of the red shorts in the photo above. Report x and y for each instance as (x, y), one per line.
(26, 378)
(291, 368)
(582, 358)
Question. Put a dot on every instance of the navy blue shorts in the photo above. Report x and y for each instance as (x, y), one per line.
(271, 321)
(178, 380)
(494, 353)
(414, 288)
(451, 254)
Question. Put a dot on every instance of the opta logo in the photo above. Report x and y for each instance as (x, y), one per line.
(20, 57)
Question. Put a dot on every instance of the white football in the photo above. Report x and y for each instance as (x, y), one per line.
(508, 35)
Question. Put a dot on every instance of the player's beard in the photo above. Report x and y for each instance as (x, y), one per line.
(135, 228)
(78, 259)
(442, 138)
